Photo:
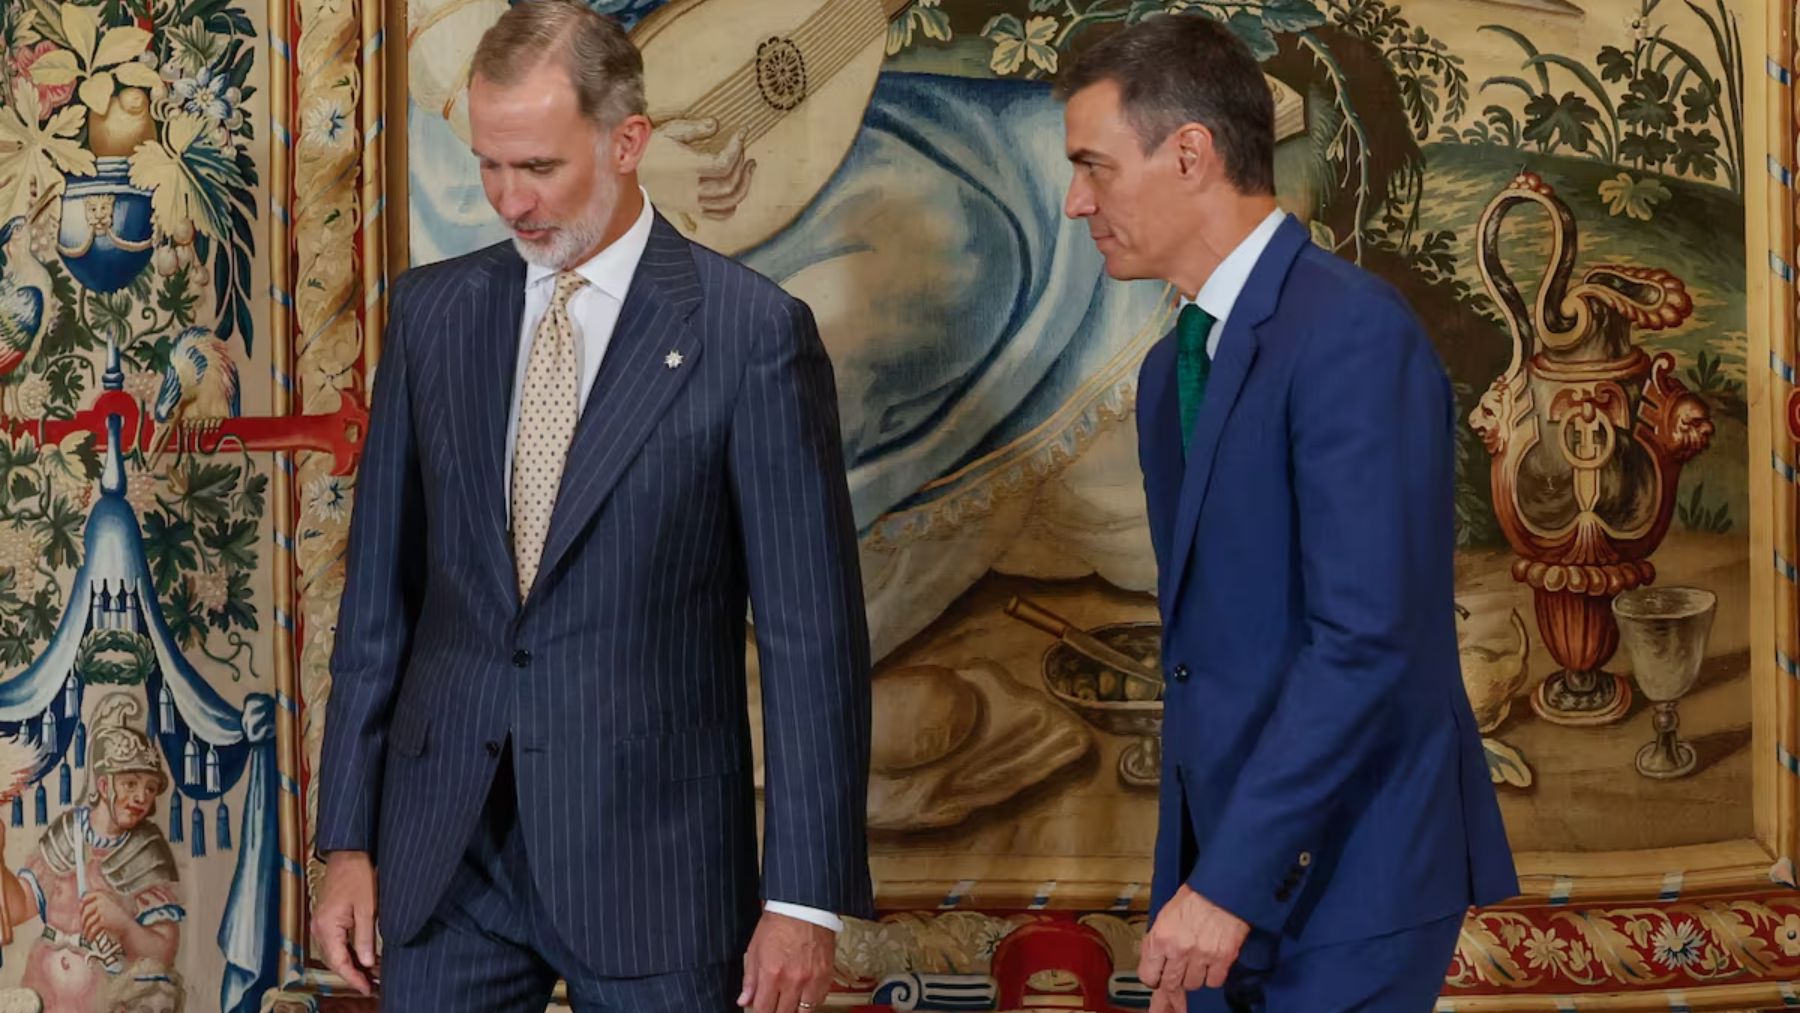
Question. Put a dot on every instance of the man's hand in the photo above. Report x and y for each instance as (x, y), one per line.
(788, 965)
(103, 915)
(1192, 945)
(345, 917)
(1169, 1000)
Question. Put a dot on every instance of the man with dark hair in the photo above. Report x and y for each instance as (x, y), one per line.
(590, 449)
(1327, 817)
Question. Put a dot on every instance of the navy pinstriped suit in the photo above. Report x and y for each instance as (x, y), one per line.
(620, 682)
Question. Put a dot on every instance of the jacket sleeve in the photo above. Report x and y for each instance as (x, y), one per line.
(1372, 466)
(382, 585)
(793, 501)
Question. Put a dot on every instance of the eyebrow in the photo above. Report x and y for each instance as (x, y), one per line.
(525, 163)
(1086, 155)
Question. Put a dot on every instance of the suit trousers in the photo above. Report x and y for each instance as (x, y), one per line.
(1402, 972)
(490, 946)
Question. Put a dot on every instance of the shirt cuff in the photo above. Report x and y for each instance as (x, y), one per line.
(806, 914)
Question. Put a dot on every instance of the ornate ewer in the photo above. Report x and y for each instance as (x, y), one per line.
(1588, 434)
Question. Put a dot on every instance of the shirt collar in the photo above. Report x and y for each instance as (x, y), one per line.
(611, 269)
(1221, 291)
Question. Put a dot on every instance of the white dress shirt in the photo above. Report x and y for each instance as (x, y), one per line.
(594, 310)
(1221, 291)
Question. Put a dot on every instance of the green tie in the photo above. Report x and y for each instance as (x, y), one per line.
(1192, 365)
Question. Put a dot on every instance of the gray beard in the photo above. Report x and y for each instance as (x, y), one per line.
(575, 239)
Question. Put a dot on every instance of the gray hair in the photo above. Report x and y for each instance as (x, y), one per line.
(1175, 69)
(601, 60)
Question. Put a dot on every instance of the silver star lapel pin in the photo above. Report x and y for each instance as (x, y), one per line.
(672, 360)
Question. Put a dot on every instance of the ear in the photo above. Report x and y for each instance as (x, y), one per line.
(628, 141)
(1194, 151)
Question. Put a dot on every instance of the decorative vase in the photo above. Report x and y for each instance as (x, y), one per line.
(1588, 434)
(106, 238)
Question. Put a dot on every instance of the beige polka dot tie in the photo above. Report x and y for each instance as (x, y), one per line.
(549, 407)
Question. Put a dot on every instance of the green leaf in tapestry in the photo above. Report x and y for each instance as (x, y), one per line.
(83, 449)
(1647, 103)
(1697, 153)
(169, 542)
(1569, 120)
(140, 286)
(249, 499)
(23, 454)
(68, 335)
(933, 21)
(206, 488)
(233, 540)
(1255, 34)
(62, 531)
(67, 383)
(1697, 102)
(240, 604)
(156, 354)
(41, 615)
(1615, 64)
(1647, 112)
(182, 615)
(1647, 149)
(1291, 15)
(178, 298)
(111, 312)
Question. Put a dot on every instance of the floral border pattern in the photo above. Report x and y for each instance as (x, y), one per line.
(1709, 942)
(1735, 939)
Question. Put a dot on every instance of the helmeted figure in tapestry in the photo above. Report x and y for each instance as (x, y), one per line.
(103, 879)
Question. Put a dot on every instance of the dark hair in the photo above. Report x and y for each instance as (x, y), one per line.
(1174, 69)
(603, 64)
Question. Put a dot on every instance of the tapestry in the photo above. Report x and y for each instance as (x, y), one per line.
(1548, 185)
(138, 653)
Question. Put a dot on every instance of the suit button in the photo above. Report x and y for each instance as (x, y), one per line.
(1180, 674)
(521, 659)
(1283, 894)
(1305, 859)
(493, 749)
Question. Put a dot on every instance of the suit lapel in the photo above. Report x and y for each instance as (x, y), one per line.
(483, 406)
(1161, 451)
(1237, 353)
(650, 357)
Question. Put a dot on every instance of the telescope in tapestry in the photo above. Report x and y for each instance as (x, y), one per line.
(113, 634)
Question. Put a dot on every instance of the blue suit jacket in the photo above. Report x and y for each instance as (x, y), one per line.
(1323, 777)
(690, 489)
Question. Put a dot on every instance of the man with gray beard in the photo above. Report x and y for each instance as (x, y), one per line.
(590, 448)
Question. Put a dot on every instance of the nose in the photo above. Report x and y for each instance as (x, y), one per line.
(1080, 200)
(511, 197)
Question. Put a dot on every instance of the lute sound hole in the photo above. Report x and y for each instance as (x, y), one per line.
(781, 73)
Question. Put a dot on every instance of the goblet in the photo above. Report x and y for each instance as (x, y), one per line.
(1664, 631)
